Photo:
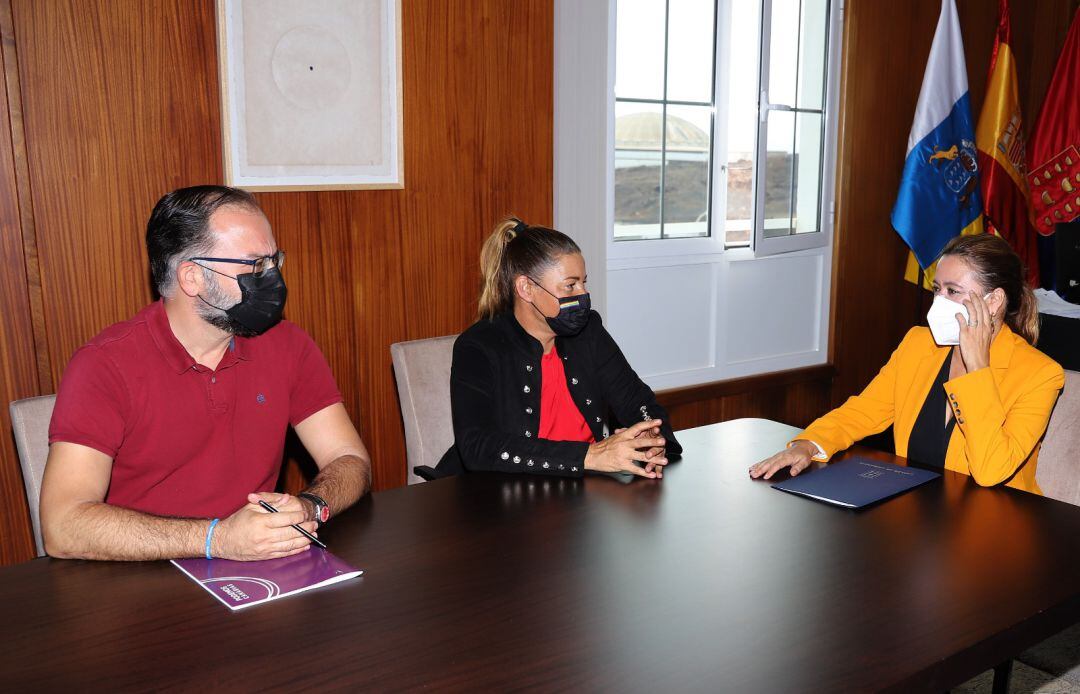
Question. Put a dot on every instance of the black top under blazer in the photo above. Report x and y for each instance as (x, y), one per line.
(495, 398)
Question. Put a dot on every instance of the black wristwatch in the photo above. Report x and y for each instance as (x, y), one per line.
(322, 509)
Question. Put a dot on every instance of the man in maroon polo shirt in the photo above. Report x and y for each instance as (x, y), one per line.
(169, 427)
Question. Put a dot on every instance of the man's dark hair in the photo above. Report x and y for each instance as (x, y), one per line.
(179, 228)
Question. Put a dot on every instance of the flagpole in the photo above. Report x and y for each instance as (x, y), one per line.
(918, 297)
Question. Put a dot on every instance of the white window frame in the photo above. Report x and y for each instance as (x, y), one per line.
(584, 149)
(830, 110)
(633, 253)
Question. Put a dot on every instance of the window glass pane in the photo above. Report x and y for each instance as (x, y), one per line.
(807, 189)
(639, 49)
(783, 51)
(812, 40)
(779, 167)
(690, 50)
(739, 53)
(686, 172)
(638, 157)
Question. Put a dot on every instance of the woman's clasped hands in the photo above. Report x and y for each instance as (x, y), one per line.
(626, 448)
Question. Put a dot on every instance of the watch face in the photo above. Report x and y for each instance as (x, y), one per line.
(324, 513)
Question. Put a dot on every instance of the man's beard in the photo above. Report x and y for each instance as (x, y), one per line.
(208, 311)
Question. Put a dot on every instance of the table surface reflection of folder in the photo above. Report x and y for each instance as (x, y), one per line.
(856, 482)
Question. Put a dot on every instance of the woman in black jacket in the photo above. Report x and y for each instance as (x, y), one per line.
(537, 380)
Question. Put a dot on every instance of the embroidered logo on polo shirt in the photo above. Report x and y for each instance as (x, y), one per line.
(260, 398)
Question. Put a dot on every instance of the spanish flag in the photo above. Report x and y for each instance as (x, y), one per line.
(999, 138)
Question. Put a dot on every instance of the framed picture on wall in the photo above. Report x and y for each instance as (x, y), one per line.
(311, 93)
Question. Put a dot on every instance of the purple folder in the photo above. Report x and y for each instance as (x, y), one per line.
(241, 584)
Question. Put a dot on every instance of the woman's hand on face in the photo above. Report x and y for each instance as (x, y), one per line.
(623, 450)
(797, 456)
(976, 333)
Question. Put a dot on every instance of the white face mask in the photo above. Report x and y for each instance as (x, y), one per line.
(942, 320)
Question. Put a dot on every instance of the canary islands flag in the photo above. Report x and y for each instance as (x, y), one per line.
(939, 191)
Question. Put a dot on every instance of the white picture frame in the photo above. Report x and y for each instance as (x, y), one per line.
(311, 95)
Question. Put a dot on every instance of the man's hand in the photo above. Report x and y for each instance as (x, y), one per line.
(253, 533)
(286, 503)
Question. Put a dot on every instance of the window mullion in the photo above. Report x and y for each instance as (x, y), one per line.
(663, 121)
(792, 193)
(761, 143)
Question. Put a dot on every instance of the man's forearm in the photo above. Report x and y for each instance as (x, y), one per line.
(342, 481)
(96, 530)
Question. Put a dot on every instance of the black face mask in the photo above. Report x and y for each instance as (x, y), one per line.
(573, 313)
(262, 301)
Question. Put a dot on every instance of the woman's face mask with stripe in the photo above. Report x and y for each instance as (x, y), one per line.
(573, 313)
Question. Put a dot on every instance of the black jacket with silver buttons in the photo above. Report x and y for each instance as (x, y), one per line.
(495, 398)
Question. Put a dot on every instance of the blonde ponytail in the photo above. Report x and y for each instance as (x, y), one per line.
(494, 297)
(514, 249)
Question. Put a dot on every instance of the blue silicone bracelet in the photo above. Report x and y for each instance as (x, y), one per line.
(210, 536)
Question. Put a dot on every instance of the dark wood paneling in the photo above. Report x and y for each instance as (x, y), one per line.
(794, 397)
(18, 373)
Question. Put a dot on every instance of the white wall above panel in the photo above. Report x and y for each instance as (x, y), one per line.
(664, 319)
(775, 312)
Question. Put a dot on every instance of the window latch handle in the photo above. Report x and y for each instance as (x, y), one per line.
(763, 111)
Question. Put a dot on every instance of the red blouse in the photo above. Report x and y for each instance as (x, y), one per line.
(560, 419)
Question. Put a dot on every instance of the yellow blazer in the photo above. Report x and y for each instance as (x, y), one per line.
(1001, 411)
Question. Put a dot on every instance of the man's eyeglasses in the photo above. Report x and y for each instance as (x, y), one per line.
(258, 265)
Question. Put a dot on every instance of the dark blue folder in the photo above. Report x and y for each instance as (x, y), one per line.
(856, 482)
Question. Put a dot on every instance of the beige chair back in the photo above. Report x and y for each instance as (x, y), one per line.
(1058, 473)
(422, 369)
(30, 421)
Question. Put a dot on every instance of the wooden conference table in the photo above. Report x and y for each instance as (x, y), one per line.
(704, 581)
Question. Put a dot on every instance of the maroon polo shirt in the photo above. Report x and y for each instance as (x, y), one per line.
(187, 440)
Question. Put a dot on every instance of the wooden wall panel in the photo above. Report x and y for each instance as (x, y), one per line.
(796, 403)
(120, 106)
(494, 116)
(18, 372)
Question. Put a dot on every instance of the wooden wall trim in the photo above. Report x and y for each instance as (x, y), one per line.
(748, 384)
(25, 199)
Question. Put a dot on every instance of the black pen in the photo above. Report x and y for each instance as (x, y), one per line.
(303, 532)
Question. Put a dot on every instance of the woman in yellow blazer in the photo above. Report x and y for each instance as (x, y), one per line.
(981, 409)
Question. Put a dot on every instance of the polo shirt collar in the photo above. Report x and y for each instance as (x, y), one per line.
(174, 353)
